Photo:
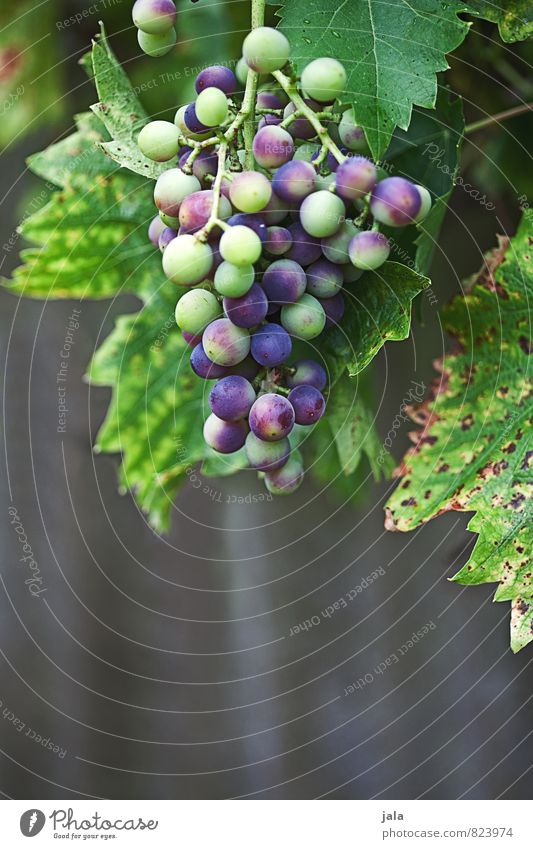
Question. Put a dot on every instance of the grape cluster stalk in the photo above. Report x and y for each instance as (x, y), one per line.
(269, 209)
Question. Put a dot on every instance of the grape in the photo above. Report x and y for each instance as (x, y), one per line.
(309, 404)
(169, 221)
(273, 147)
(250, 191)
(288, 479)
(240, 245)
(301, 128)
(324, 79)
(254, 222)
(335, 248)
(224, 343)
(395, 201)
(225, 437)
(265, 50)
(322, 213)
(279, 241)
(195, 310)
(271, 345)
(307, 373)
(275, 211)
(179, 121)
(159, 141)
(211, 107)
(192, 121)
(350, 273)
(271, 417)
(247, 368)
(425, 202)
(294, 181)
(216, 76)
(155, 229)
(166, 237)
(284, 281)
(192, 340)
(324, 279)
(248, 310)
(351, 135)
(325, 181)
(203, 366)
(171, 188)
(196, 208)
(156, 45)
(154, 16)
(205, 163)
(304, 249)
(231, 398)
(268, 121)
(369, 250)
(269, 100)
(334, 309)
(304, 319)
(187, 261)
(266, 456)
(355, 178)
(241, 71)
(234, 280)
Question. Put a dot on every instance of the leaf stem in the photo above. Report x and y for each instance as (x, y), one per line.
(498, 118)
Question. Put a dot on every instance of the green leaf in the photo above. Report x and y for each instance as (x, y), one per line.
(475, 452)
(391, 52)
(378, 310)
(514, 17)
(121, 112)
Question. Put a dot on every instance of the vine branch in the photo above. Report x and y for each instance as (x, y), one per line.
(500, 116)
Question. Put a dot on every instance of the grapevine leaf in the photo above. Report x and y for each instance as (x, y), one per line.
(514, 18)
(378, 309)
(475, 452)
(391, 52)
(120, 111)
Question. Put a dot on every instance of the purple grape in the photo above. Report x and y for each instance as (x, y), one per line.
(225, 343)
(269, 100)
(203, 366)
(248, 368)
(334, 309)
(231, 398)
(252, 220)
(155, 229)
(305, 249)
(309, 404)
(268, 121)
(205, 163)
(294, 181)
(300, 128)
(395, 201)
(308, 373)
(266, 456)
(288, 479)
(369, 249)
(271, 345)
(355, 178)
(324, 279)
(248, 310)
(273, 147)
(191, 339)
(166, 237)
(284, 281)
(225, 437)
(217, 76)
(271, 417)
(279, 241)
(191, 121)
(196, 208)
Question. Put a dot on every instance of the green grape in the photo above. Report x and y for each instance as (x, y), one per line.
(265, 50)
(241, 71)
(240, 245)
(250, 191)
(425, 204)
(156, 45)
(171, 188)
(351, 135)
(154, 16)
(195, 310)
(322, 213)
(187, 261)
(324, 79)
(233, 281)
(211, 107)
(159, 141)
(170, 220)
(305, 319)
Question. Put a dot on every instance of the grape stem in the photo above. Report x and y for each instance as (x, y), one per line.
(290, 88)
(214, 220)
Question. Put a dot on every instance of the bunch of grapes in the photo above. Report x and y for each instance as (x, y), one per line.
(155, 21)
(268, 209)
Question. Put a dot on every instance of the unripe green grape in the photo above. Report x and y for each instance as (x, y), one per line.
(171, 188)
(159, 141)
(324, 79)
(324, 181)
(250, 191)
(187, 261)
(156, 45)
(241, 71)
(170, 220)
(306, 151)
(155, 17)
(289, 478)
(425, 204)
(369, 249)
(234, 281)
(335, 248)
(195, 310)
(211, 107)
(305, 319)
(321, 214)
(265, 50)
(240, 245)
(351, 135)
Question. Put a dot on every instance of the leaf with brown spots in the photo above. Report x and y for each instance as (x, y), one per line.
(475, 450)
